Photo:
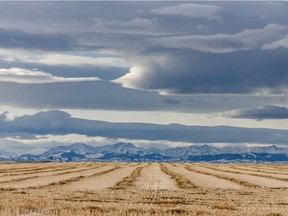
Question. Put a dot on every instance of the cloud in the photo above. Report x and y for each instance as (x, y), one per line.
(25, 40)
(20, 75)
(80, 95)
(3, 116)
(192, 72)
(52, 59)
(103, 95)
(224, 43)
(261, 113)
(60, 123)
(86, 23)
(171, 101)
(210, 12)
(166, 53)
(43, 143)
(282, 43)
(133, 23)
(74, 60)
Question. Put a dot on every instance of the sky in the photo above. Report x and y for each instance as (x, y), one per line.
(158, 74)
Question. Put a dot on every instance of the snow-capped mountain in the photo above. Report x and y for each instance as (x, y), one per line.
(194, 150)
(6, 156)
(129, 152)
(78, 148)
(82, 152)
(120, 148)
(273, 149)
(74, 152)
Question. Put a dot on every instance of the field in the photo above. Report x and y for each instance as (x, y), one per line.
(35, 189)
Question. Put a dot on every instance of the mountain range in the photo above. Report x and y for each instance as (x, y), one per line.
(129, 152)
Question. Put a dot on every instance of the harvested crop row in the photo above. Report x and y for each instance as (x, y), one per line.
(270, 167)
(78, 178)
(203, 180)
(129, 180)
(5, 179)
(19, 166)
(46, 170)
(47, 180)
(238, 181)
(243, 179)
(153, 178)
(100, 181)
(230, 170)
(182, 181)
(259, 169)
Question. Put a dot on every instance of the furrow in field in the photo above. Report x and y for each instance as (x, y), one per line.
(182, 181)
(129, 180)
(274, 168)
(278, 176)
(100, 182)
(5, 179)
(46, 170)
(206, 181)
(257, 167)
(23, 167)
(153, 178)
(41, 169)
(260, 169)
(230, 170)
(254, 180)
(47, 180)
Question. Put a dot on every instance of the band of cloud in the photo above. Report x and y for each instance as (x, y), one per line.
(60, 123)
(210, 12)
(260, 113)
(20, 75)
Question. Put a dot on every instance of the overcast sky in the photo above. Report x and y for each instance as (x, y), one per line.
(191, 63)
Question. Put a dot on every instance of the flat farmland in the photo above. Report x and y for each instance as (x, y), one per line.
(35, 189)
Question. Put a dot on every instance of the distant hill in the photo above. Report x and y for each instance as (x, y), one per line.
(129, 152)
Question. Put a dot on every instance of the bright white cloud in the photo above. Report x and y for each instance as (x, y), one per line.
(282, 43)
(73, 60)
(20, 75)
(37, 57)
(142, 71)
(224, 43)
(67, 138)
(210, 12)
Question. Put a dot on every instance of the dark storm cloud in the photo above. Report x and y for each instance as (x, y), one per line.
(61, 123)
(261, 113)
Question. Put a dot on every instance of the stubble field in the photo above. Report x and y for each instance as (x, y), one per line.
(143, 189)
